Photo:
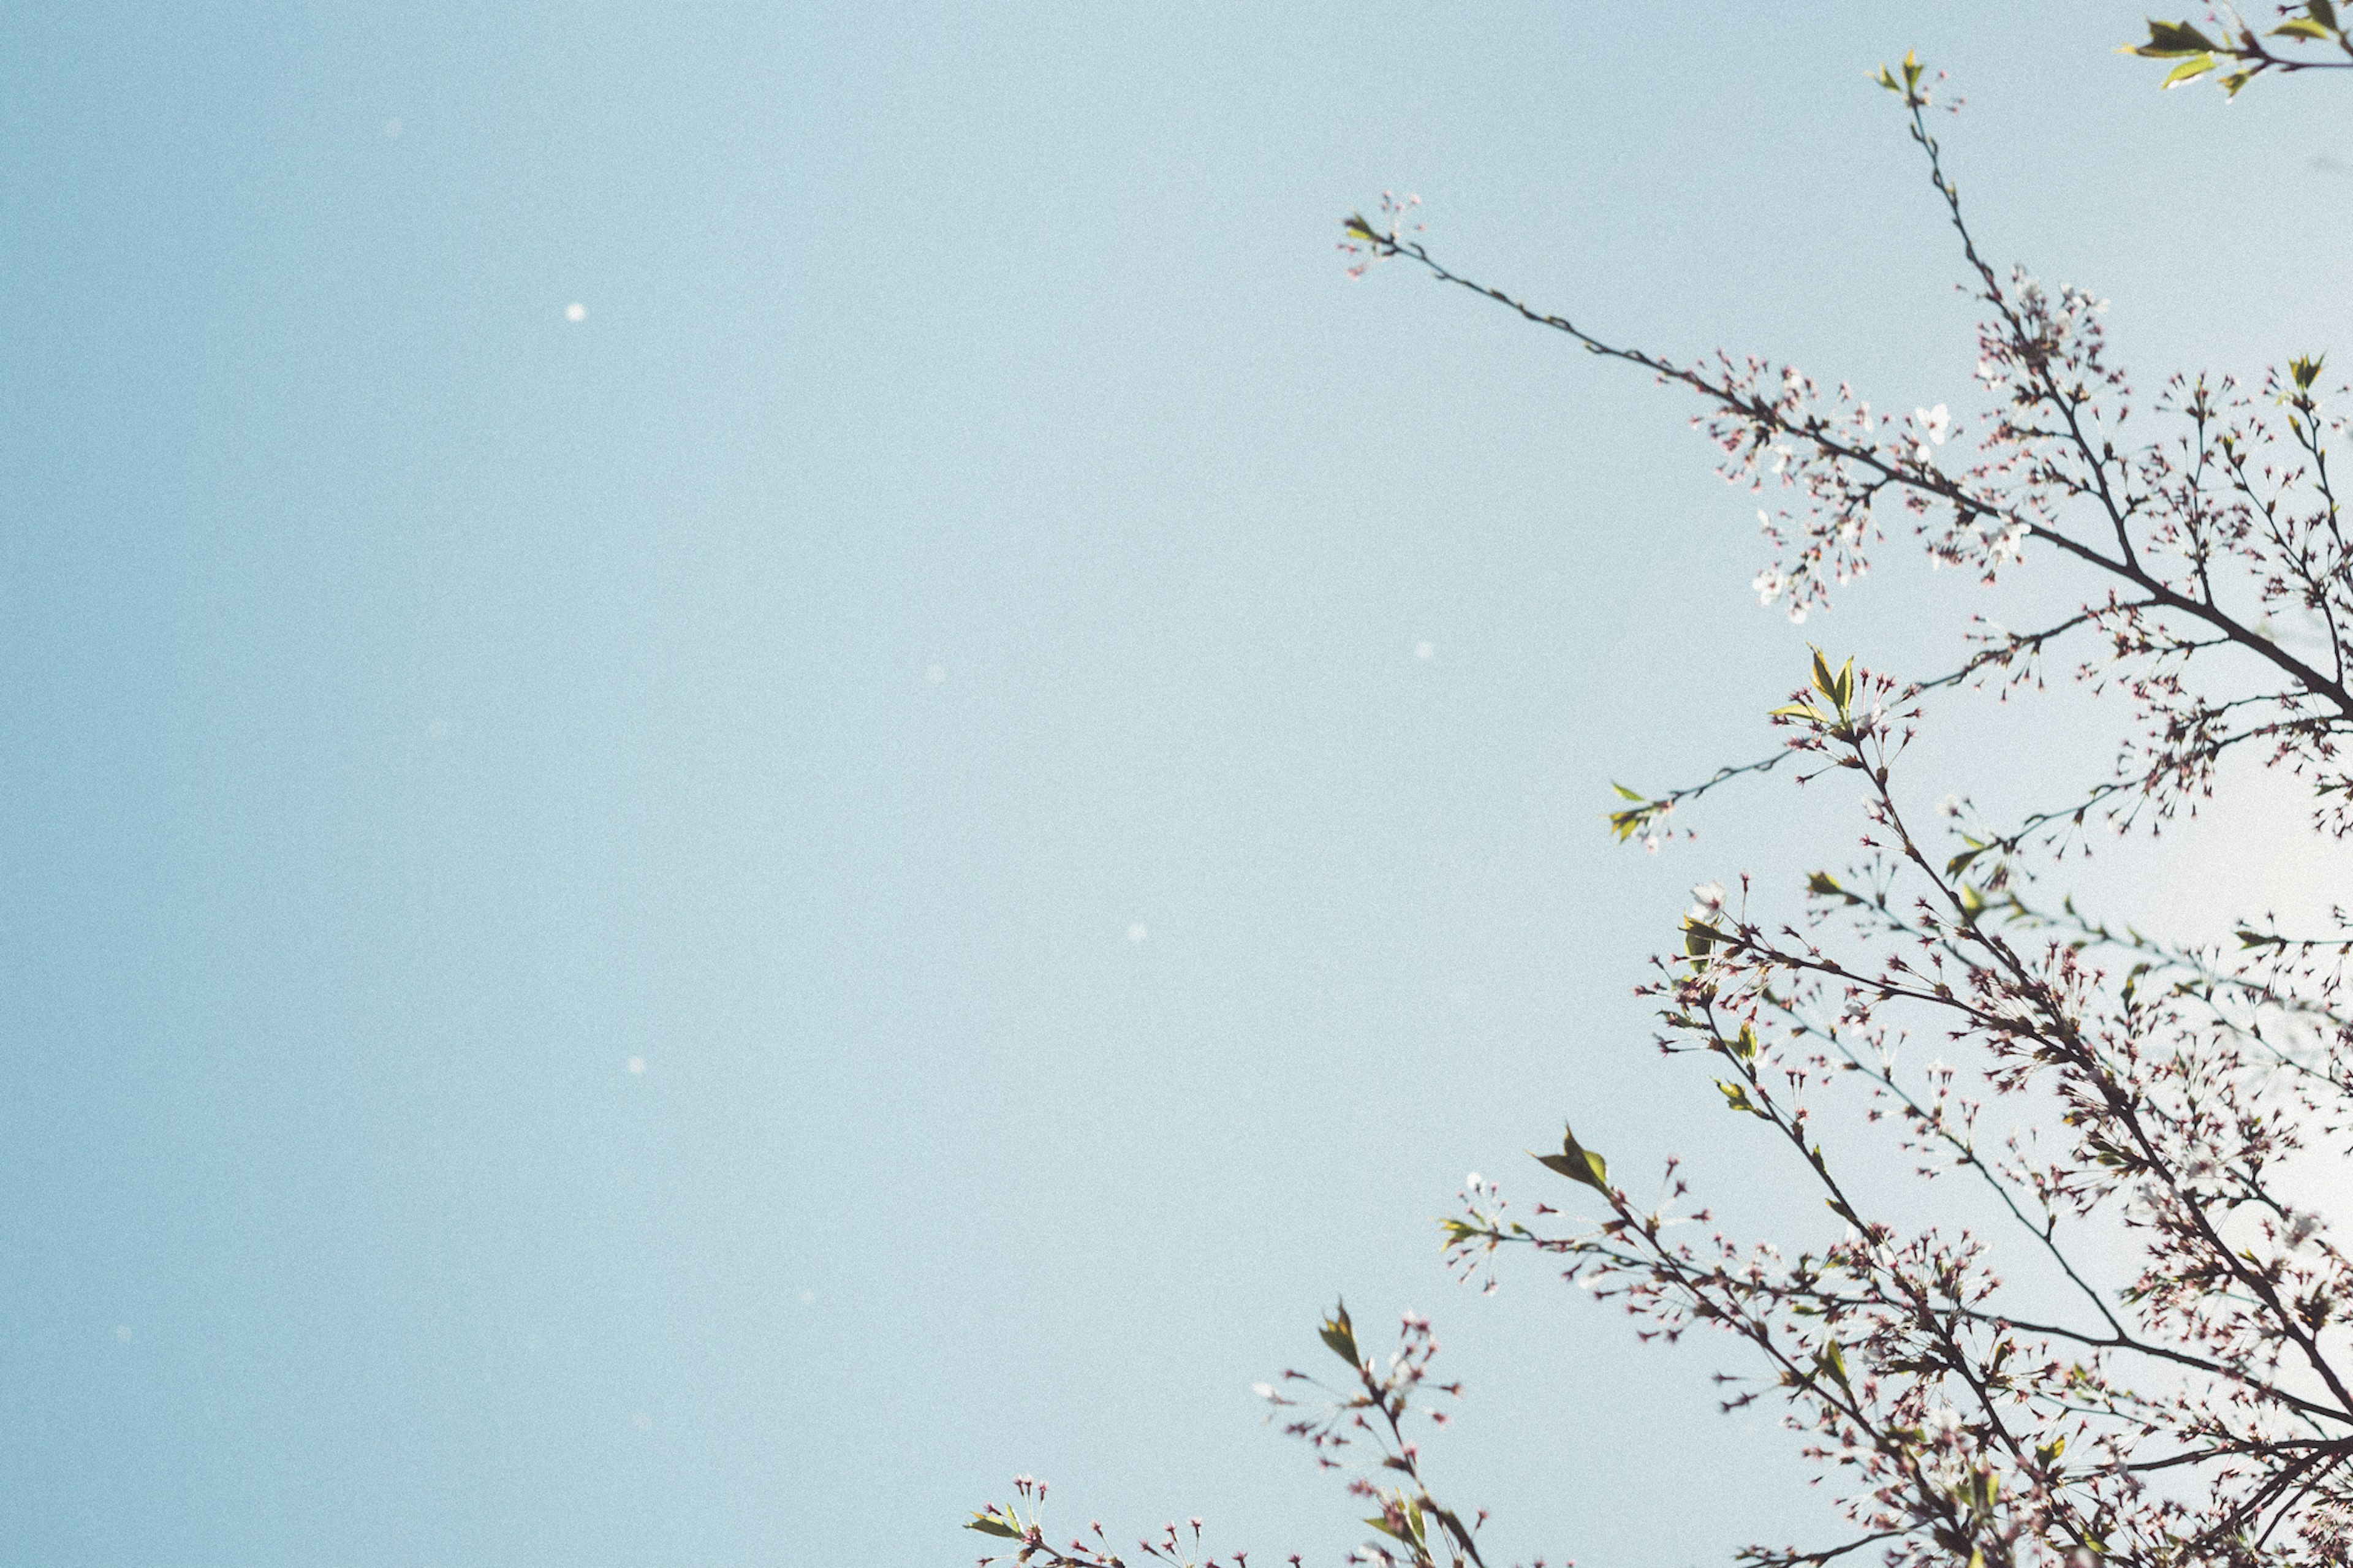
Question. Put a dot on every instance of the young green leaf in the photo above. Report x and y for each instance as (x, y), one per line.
(2170, 41)
(1577, 1163)
(1340, 1334)
(1833, 1361)
(2189, 70)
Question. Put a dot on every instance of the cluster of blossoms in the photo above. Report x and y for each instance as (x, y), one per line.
(1022, 1522)
(1370, 241)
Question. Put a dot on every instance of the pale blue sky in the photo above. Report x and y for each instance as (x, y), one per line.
(972, 521)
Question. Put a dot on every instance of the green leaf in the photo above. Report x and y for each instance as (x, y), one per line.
(2322, 12)
(1625, 793)
(2189, 70)
(1837, 689)
(1445, 1516)
(990, 1523)
(1960, 862)
(1356, 225)
(2168, 40)
(1823, 886)
(1579, 1163)
(2301, 27)
(1833, 1361)
(1341, 1335)
(1737, 1096)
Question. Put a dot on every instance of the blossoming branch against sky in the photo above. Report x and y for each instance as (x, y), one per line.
(764, 763)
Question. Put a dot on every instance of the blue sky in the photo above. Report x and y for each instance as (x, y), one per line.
(691, 934)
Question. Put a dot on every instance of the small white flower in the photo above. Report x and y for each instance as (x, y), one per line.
(1937, 421)
(1710, 895)
(1949, 807)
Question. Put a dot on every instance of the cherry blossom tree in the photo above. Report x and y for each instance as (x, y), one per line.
(2165, 1377)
